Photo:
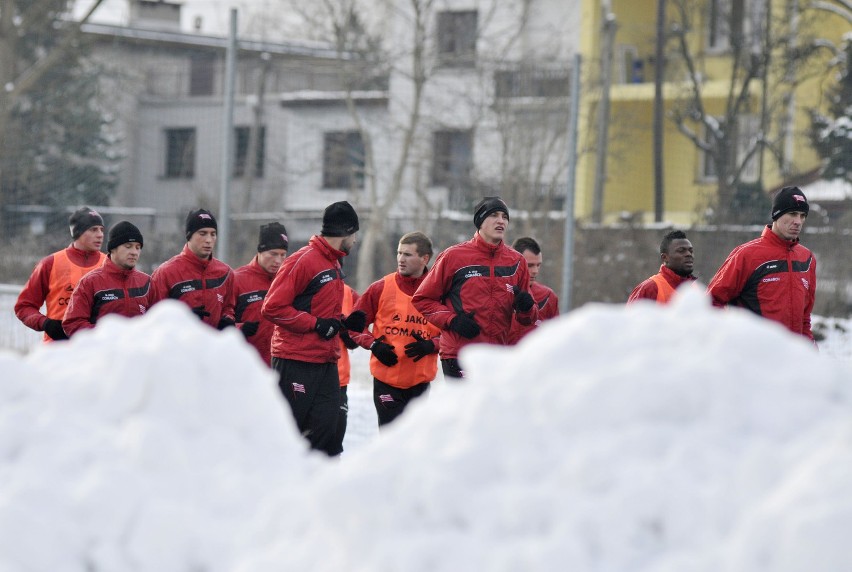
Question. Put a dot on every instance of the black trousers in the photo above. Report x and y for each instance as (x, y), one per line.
(391, 401)
(342, 418)
(313, 392)
(452, 368)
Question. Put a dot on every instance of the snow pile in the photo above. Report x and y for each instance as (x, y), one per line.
(140, 445)
(639, 438)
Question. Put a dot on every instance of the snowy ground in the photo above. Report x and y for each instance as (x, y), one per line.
(616, 438)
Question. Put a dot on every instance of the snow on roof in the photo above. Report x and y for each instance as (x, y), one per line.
(828, 190)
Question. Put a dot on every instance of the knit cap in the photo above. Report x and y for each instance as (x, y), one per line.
(487, 206)
(198, 219)
(123, 232)
(339, 219)
(789, 199)
(272, 236)
(82, 220)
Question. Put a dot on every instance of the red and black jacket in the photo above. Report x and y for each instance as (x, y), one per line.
(251, 283)
(196, 282)
(109, 289)
(478, 277)
(772, 277)
(308, 286)
(548, 308)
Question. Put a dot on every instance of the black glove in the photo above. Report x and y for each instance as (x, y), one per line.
(523, 300)
(384, 353)
(225, 323)
(54, 329)
(465, 326)
(347, 341)
(199, 311)
(420, 348)
(250, 328)
(356, 321)
(327, 328)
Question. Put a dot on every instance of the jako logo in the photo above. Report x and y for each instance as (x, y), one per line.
(806, 284)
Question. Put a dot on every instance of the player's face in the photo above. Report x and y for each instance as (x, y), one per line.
(348, 243)
(202, 241)
(789, 225)
(533, 263)
(494, 227)
(92, 239)
(271, 260)
(408, 262)
(126, 255)
(680, 258)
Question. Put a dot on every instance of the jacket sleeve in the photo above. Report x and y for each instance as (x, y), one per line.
(530, 316)
(728, 282)
(159, 287)
(646, 290)
(427, 298)
(230, 298)
(79, 312)
(368, 303)
(809, 304)
(278, 304)
(31, 298)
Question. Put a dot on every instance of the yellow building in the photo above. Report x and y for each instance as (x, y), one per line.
(701, 63)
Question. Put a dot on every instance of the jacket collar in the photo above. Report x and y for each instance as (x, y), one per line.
(773, 238)
(194, 260)
(325, 248)
(486, 247)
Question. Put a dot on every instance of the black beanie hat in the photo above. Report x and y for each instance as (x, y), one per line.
(339, 219)
(789, 199)
(82, 220)
(123, 232)
(198, 219)
(272, 235)
(487, 206)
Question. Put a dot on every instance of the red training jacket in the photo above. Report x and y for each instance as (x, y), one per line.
(548, 308)
(772, 277)
(478, 277)
(251, 283)
(196, 282)
(34, 294)
(108, 289)
(308, 286)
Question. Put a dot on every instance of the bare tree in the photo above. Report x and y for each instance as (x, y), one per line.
(758, 46)
(37, 37)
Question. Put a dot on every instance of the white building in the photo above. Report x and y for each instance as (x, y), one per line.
(492, 115)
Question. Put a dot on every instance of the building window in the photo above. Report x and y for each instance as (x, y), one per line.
(241, 149)
(457, 38)
(452, 158)
(532, 82)
(202, 71)
(343, 160)
(180, 153)
(737, 24)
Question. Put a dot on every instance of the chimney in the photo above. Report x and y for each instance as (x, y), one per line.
(155, 14)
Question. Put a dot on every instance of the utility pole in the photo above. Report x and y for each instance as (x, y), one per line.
(224, 230)
(608, 29)
(568, 242)
(659, 74)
